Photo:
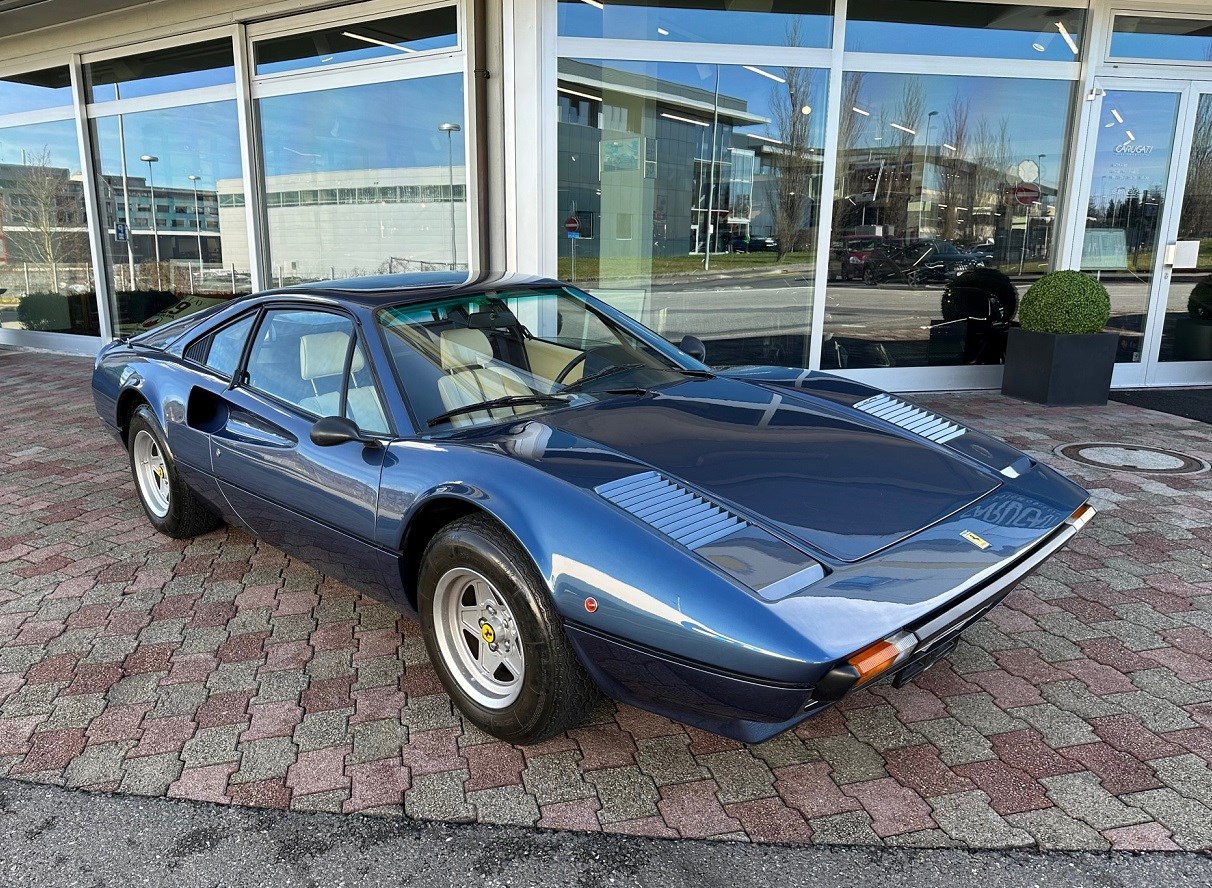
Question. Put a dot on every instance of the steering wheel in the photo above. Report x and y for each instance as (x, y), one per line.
(572, 365)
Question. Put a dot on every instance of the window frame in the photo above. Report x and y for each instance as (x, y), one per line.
(1117, 13)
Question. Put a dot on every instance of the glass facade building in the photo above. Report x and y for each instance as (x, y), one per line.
(808, 183)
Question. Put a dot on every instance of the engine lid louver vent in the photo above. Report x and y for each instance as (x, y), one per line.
(910, 418)
(672, 509)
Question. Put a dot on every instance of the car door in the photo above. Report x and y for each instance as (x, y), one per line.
(316, 502)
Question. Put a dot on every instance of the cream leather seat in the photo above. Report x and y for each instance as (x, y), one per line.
(322, 355)
(474, 375)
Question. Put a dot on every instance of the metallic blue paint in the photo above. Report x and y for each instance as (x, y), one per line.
(881, 509)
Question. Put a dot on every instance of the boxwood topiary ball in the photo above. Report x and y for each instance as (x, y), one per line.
(1065, 302)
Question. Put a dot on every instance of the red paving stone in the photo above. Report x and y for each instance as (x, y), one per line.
(694, 811)
(261, 794)
(212, 663)
(493, 764)
(579, 814)
(319, 770)
(894, 809)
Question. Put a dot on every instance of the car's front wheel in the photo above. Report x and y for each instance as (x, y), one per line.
(495, 638)
(171, 506)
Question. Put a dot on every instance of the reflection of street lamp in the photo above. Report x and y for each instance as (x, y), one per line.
(193, 180)
(921, 200)
(149, 159)
(450, 129)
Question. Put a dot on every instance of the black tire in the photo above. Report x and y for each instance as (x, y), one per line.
(187, 515)
(556, 693)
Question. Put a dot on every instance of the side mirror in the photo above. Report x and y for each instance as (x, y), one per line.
(333, 430)
(694, 347)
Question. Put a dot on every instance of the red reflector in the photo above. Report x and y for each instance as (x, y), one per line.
(591, 604)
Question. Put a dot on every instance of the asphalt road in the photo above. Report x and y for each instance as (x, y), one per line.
(51, 837)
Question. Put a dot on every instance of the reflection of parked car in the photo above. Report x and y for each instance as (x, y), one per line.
(848, 259)
(917, 262)
(754, 244)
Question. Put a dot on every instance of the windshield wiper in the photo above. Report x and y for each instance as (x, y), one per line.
(507, 401)
(601, 374)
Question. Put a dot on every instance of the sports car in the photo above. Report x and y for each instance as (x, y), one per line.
(574, 505)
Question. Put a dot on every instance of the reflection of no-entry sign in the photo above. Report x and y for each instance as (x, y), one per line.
(1026, 193)
(572, 224)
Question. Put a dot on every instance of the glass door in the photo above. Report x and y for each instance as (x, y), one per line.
(1131, 179)
(1183, 331)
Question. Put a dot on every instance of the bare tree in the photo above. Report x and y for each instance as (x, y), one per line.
(41, 215)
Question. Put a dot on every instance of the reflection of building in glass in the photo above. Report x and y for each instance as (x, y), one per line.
(350, 222)
(42, 217)
(934, 191)
(636, 166)
(178, 219)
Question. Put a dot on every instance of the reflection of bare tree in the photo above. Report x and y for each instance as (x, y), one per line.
(953, 169)
(901, 128)
(1196, 221)
(795, 167)
(40, 215)
(852, 127)
(991, 156)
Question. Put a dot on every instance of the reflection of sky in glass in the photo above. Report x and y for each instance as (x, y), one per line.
(150, 74)
(707, 25)
(17, 97)
(30, 143)
(1185, 41)
(740, 88)
(1150, 117)
(377, 126)
(1008, 32)
(1034, 112)
(358, 55)
(200, 140)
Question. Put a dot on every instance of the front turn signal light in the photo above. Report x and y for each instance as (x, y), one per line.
(876, 659)
(864, 666)
(1082, 516)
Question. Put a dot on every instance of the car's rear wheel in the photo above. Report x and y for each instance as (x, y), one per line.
(494, 637)
(171, 506)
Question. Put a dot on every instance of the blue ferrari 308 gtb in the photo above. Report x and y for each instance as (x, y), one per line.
(571, 503)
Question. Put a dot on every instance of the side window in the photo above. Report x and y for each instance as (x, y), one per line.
(299, 356)
(227, 345)
(362, 402)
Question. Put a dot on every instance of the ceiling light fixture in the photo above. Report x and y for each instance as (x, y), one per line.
(669, 116)
(767, 74)
(573, 92)
(352, 36)
(1118, 117)
(1131, 136)
(858, 110)
(662, 32)
(594, 3)
(1064, 32)
(950, 147)
(903, 129)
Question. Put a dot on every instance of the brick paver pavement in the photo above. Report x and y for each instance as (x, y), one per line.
(1079, 715)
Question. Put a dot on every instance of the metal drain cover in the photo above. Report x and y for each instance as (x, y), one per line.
(1132, 458)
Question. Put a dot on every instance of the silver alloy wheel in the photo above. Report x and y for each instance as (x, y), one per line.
(151, 473)
(478, 638)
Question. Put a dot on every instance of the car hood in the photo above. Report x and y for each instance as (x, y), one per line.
(821, 473)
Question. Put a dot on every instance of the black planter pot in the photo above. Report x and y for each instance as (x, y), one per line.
(1059, 370)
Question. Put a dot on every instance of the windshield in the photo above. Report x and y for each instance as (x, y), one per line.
(491, 357)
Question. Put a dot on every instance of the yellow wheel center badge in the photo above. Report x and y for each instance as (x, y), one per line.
(487, 633)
